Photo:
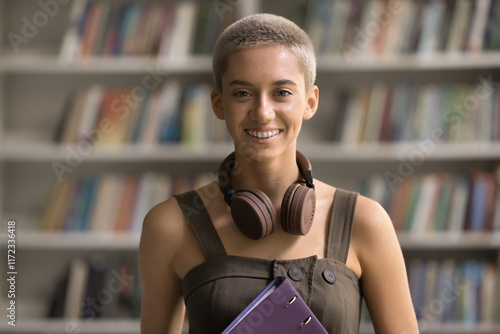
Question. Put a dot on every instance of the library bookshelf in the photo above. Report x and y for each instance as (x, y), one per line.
(35, 86)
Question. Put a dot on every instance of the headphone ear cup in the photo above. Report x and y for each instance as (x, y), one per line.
(297, 209)
(285, 207)
(253, 213)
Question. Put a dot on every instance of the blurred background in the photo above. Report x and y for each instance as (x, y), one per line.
(105, 111)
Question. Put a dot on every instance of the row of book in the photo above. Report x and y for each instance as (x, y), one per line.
(383, 27)
(109, 202)
(96, 287)
(407, 111)
(443, 291)
(461, 292)
(117, 116)
(167, 30)
(438, 202)
(434, 202)
(452, 291)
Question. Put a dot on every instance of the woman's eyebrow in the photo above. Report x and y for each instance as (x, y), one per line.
(239, 83)
(274, 83)
(284, 82)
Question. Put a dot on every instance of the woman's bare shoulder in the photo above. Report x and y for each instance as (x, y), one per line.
(371, 218)
(368, 214)
(163, 227)
(324, 191)
(373, 235)
(164, 218)
(166, 233)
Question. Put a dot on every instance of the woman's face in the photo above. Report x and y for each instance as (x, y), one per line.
(264, 100)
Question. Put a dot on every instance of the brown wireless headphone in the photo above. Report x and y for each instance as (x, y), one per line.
(253, 211)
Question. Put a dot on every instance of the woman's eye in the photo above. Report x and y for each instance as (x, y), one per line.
(283, 93)
(241, 94)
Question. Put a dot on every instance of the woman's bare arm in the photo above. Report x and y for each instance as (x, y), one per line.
(384, 280)
(162, 306)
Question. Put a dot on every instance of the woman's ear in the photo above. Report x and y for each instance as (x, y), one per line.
(312, 102)
(216, 98)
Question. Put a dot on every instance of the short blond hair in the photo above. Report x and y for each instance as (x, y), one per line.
(264, 30)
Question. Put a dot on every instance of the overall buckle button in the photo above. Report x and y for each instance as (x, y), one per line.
(296, 274)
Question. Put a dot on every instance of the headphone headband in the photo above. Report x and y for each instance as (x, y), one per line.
(228, 164)
(254, 213)
(225, 170)
(305, 169)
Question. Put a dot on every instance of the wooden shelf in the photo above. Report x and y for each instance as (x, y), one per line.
(398, 151)
(114, 326)
(446, 329)
(415, 62)
(39, 326)
(75, 241)
(43, 152)
(130, 241)
(45, 64)
(39, 151)
(112, 65)
(92, 326)
(449, 241)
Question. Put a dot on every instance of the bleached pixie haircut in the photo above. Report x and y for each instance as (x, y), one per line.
(264, 30)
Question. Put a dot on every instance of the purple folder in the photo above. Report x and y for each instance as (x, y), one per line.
(277, 309)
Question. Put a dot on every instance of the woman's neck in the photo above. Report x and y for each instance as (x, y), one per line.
(273, 177)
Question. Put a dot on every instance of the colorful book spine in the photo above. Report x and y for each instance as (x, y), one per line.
(97, 287)
(114, 116)
(439, 202)
(387, 28)
(406, 112)
(449, 291)
(109, 203)
(167, 30)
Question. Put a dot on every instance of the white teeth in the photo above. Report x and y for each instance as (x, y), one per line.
(264, 134)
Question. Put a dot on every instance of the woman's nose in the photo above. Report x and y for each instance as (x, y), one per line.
(263, 110)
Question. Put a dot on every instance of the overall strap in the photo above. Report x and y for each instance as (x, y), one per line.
(339, 238)
(198, 219)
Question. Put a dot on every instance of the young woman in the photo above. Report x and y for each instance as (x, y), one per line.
(202, 251)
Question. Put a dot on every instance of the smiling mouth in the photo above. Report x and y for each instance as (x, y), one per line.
(263, 134)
